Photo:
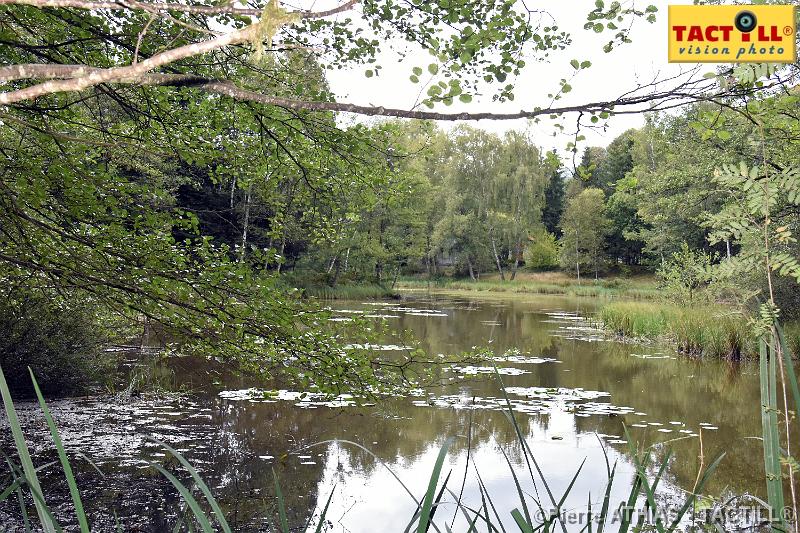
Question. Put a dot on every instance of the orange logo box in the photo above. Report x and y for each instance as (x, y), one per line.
(732, 34)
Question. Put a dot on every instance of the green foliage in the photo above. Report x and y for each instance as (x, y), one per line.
(60, 338)
(754, 218)
(584, 226)
(493, 193)
(554, 199)
(684, 274)
(542, 251)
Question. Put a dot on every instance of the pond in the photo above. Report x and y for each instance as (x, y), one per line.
(572, 389)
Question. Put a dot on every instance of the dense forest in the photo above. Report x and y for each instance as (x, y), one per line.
(464, 202)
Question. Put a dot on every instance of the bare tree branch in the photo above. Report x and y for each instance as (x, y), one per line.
(87, 77)
(164, 7)
(684, 92)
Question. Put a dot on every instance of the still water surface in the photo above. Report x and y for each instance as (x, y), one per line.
(572, 390)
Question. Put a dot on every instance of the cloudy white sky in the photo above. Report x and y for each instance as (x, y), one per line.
(610, 75)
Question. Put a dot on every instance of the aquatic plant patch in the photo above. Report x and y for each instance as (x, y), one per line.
(300, 399)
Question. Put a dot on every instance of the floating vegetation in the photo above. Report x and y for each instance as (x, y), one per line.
(558, 316)
(515, 355)
(559, 393)
(425, 313)
(474, 370)
(307, 400)
(377, 347)
(538, 400)
(651, 356)
(525, 360)
(575, 327)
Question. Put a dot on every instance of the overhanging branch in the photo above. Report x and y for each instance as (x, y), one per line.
(687, 91)
(159, 7)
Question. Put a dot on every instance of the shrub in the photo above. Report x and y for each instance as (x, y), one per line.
(541, 253)
(684, 274)
(58, 338)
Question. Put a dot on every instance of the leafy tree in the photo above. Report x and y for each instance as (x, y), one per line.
(685, 273)
(670, 186)
(584, 227)
(554, 199)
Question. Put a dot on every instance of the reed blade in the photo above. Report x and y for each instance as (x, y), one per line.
(48, 525)
(62, 457)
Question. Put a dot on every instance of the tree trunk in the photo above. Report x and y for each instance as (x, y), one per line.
(336, 272)
(497, 260)
(283, 247)
(246, 222)
(471, 271)
(577, 258)
(396, 273)
(517, 250)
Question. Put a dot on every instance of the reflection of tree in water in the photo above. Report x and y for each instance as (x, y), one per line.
(228, 448)
(667, 390)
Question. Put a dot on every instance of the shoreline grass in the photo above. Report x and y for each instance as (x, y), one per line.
(367, 291)
(709, 330)
(631, 288)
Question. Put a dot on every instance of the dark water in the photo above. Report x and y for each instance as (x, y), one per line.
(572, 390)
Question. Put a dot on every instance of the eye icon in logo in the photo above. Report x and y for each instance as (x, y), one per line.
(745, 21)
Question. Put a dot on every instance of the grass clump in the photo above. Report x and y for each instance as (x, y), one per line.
(368, 291)
(711, 331)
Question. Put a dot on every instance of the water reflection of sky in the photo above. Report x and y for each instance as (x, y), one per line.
(574, 384)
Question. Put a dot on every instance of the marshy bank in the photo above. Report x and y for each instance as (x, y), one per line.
(552, 283)
(704, 330)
